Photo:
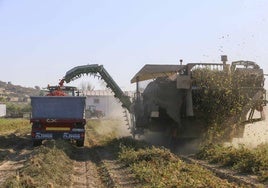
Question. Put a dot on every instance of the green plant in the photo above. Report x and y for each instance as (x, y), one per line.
(14, 125)
(17, 108)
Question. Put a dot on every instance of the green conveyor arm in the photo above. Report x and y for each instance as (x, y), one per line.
(94, 69)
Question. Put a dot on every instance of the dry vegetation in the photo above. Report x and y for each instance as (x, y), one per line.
(158, 167)
(49, 166)
(20, 126)
(12, 132)
(220, 100)
(249, 161)
(46, 165)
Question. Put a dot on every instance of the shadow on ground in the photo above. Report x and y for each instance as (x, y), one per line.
(12, 144)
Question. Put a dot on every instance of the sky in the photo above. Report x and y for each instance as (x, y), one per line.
(41, 40)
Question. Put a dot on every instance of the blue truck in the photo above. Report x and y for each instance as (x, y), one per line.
(58, 117)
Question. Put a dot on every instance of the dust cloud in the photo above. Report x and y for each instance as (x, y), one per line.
(254, 134)
(117, 126)
(122, 130)
(182, 146)
(155, 138)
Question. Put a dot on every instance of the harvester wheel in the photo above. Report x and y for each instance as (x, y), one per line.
(80, 143)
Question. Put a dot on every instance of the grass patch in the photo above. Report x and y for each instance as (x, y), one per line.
(252, 161)
(49, 166)
(12, 132)
(21, 126)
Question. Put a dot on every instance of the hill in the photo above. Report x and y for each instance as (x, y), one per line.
(16, 93)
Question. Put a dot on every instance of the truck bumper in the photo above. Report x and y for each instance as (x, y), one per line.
(62, 135)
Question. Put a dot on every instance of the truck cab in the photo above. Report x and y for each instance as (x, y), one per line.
(61, 91)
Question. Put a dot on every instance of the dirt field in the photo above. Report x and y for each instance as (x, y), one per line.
(98, 163)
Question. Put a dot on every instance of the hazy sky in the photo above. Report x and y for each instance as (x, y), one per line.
(41, 40)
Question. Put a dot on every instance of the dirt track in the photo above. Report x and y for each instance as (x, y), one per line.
(97, 167)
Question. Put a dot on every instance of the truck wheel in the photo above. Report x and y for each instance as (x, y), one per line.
(37, 143)
(80, 143)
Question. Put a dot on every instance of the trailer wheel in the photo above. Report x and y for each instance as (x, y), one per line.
(80, 143)
(37, 143)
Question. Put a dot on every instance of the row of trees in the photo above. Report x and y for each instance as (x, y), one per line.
(17, 109)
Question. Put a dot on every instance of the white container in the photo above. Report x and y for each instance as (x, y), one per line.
(2, 110)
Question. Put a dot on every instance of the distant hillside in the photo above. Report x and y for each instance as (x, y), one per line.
(16, 93)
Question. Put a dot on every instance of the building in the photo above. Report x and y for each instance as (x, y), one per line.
(2, 110)
(103, 102)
